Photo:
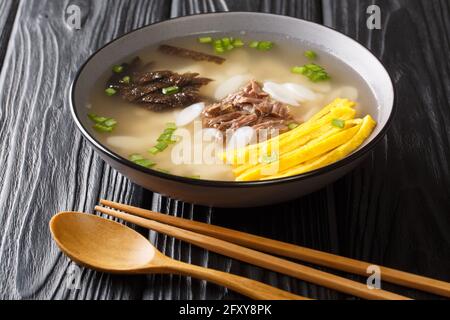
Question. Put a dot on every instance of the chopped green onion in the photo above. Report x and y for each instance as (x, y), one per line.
(125, 80)
(136, 156)
(97, 119)
(205, 39)
(298, 70)
(110, 91)
(102, 124)
(312, 71)
(261, 45)
(117, 68)
(147, 163)
(170, 90)
(338, 123)
(161, 145)
(254, 44)
(219, 50)
(154, 150)
(218, 44)
(140, 160)
(168, 131)
(237, 43)
(310, 54)
(102, 128)
(265, 45)
(292, 126)
(229, 47)
(165, 137)
(171, 125)
(174, 139)
(109, 122)
(226, 42)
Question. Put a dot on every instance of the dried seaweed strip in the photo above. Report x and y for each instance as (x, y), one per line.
(115, 81)
(190, 54)
(145, 87)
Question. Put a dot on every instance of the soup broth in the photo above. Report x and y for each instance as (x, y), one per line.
(138, 128)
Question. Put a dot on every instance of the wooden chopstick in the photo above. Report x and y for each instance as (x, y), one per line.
(291, 251)
(258, 258)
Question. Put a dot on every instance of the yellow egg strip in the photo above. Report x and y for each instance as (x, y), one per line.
(307, 152)
(322, 133)
(365, 129)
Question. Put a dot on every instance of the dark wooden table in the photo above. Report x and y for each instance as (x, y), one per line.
(393, 210)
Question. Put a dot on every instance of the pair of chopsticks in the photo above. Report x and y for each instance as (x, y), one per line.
(255, 250)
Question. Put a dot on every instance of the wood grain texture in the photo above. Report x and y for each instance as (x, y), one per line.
(393, 210)
(8, 9)
(45, 164)
(305, 9)
(124, 251)
(262, 244)
(59, 171)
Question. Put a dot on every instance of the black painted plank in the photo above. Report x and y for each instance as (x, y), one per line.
(308, 221)
(8, 9)
(53, 175)
(394, 209)
(45, 165)
(305, 9)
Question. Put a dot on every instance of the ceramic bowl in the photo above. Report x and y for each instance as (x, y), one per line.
(236, 194)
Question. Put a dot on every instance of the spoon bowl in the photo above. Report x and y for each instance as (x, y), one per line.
(100, 243)
(109, 246)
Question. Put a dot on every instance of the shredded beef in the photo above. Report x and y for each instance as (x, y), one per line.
(250, 106)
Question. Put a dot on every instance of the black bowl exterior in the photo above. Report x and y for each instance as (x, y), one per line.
(230, 195)
(236, 194)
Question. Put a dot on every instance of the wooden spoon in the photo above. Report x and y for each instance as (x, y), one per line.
(109, 246)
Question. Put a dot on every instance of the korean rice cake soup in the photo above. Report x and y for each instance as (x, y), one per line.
(231, 107)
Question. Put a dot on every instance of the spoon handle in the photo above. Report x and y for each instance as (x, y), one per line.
(250, 288)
